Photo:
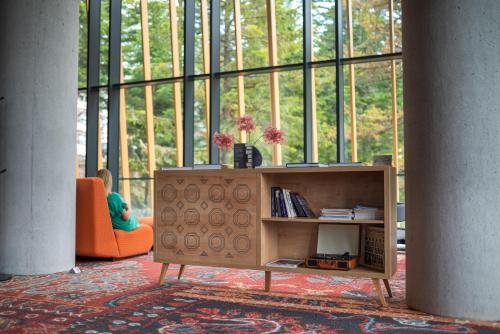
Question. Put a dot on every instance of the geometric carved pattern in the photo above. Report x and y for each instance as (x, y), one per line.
(168, 193)
(168, 240)
(207, 217)
(203, 229)
(216, 242)
(191, 217)
(192, 193)
(191, 241)
(168, 216)
(242, 243)
(216, 193)
(216, 217)
(229, 230)
(241, 218)
(242, 193)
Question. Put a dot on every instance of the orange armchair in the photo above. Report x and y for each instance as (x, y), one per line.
(95, 236)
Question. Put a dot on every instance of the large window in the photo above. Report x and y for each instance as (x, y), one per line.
(158, 77)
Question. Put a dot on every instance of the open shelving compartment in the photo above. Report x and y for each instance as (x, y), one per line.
(327, 188)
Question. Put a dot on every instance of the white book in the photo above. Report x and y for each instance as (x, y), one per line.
(289, 205)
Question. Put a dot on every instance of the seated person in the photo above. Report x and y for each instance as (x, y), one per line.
(121, 217)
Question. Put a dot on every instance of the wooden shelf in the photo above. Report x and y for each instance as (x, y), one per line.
(320, 221)
(356, 272)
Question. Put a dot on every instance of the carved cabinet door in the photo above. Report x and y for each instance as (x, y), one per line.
(206, 217)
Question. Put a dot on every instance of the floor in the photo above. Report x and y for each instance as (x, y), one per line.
(124, 297)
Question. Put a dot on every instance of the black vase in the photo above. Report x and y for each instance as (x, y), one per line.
(246, 156)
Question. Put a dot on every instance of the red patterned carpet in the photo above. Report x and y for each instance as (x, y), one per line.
(123, 297)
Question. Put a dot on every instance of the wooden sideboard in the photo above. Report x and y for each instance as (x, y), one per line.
(223, 217)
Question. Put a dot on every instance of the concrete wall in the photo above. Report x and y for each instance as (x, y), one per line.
(451, 59)
(38, 77)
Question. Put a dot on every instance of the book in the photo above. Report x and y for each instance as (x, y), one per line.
(336, 214)
(177, 168)
(368, 213)
(289, 205)
(305, 206)
(284, 212)
(277, 201)
(342, 164)
(209, 166)
(274, 211)
(298, 208)
(285, 263)
(304, 164)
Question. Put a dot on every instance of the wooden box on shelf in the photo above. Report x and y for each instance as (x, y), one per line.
(223, 217)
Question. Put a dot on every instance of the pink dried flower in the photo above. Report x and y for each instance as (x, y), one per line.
(246, 123)
(224, 141)
(273, 135)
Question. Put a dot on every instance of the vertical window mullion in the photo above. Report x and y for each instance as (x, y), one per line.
(339, 76)
(93, 62)
(189, 58)
(114, 90)
(214, 78)
(307, 58)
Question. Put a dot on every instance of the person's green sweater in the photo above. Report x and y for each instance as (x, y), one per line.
(117, 207)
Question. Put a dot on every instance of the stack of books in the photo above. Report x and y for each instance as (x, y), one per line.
(368, 213)
(336, 214)
(286, 203)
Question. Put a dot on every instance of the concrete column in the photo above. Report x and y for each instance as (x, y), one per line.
(451, 59)
(38, 78)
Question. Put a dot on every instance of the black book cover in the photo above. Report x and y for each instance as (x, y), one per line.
(274, 209)
(305, 206)
(284, 212)
(298, 208)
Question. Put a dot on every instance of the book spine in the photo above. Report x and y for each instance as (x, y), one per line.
(277, 201)
(306, 207)
(291, 211)
(298, 208)
(284, 213)
(273, 202)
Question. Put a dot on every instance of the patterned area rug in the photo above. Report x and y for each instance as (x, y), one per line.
(123, 297)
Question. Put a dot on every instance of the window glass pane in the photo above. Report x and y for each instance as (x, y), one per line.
(104, 47)
(373, 109)
(227, 36)
(370, 27)
(136, 132)
(289, 29)
(81, 133)
(165, 124)
(165, 130)
(257, 105)
(253, 34)
(102, 157)
(398, 36)
(161, 43)
(82, 46)
(202, 36)
(201, 134)
(325, 98)
(292, 115)
(131, 42)
(141, 202)
(323, 28)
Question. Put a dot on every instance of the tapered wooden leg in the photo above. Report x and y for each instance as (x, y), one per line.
(376, 283)
(388, 287)
(181, 271)
(163, 271)
(267, 285)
